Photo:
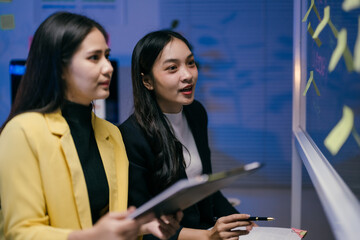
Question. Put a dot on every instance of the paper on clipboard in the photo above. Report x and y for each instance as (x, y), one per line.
(187, 192)
(272, 233)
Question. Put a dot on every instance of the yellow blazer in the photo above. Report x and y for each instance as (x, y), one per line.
(42, 186)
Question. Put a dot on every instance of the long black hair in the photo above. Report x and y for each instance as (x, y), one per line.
(42, 88)
(165, 146)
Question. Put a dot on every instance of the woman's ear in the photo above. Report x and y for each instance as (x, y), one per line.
(147, 81)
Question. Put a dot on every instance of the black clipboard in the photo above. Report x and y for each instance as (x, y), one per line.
(187, 192)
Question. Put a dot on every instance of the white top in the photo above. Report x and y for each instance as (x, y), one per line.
(184, 135)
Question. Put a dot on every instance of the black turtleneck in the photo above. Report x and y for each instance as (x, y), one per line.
(79, 119)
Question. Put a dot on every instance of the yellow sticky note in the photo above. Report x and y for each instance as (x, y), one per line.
(7, 22)
(311, 31)
(357, 50)
(356, 136)
(338, 135)
(312, 6)
(323, 22)
(311, 80)
(350, 5)
(348, 59)
(333, 29)
(339, 50)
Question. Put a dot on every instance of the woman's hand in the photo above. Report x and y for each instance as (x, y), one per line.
(112, 226)
(164, 227)
(223, 227)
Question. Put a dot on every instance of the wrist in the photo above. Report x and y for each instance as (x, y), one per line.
(82, 234)
(191, 233)
(144, 230)
(210, 233)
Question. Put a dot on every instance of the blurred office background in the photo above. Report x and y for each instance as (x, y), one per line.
(245, 53)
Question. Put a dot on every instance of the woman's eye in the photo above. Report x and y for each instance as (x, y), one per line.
(107, 54)
(94, 57)
(171, 68)
(192, 62)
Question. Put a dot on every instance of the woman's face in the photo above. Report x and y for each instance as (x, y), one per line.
(174, 77)
(89, 72)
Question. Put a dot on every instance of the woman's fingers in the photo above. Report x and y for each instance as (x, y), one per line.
(179, 215)
(234, 218)
(235, 233)
(228, 227)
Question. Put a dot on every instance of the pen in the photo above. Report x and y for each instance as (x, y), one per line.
(253, 219)
(260, 219)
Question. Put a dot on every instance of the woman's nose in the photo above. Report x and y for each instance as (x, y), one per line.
(186, 74)
(107, 68)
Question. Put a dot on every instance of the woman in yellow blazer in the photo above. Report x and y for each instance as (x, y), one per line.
(64, 171)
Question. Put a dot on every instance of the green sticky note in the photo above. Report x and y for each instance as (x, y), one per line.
(7, 22)
(340, 133)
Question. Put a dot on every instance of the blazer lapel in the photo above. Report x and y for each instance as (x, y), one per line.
(106, 150)
(59, 126)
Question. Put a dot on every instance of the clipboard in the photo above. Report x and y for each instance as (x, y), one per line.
(187, 192)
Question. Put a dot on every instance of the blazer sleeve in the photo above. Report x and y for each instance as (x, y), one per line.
(140, 158)
(198, 121)
(141, 171)
(23, 204)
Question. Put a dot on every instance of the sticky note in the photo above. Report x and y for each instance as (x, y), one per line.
(348, 59)
(311, 80)
(312, 6)
(333, 29)
(7, 22)
(339, 50)
(323, 22)
(350, 5)
(326, 20)
(340, 133)
(299, 232)
(356, 136)
(357, 50)
(311, 31)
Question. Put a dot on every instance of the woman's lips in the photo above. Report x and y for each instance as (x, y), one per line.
(187, 90)
(105, 83)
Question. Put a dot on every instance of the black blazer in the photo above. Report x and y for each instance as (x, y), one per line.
(141, 158)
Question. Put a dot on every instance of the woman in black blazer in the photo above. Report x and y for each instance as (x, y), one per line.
(166, 137)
